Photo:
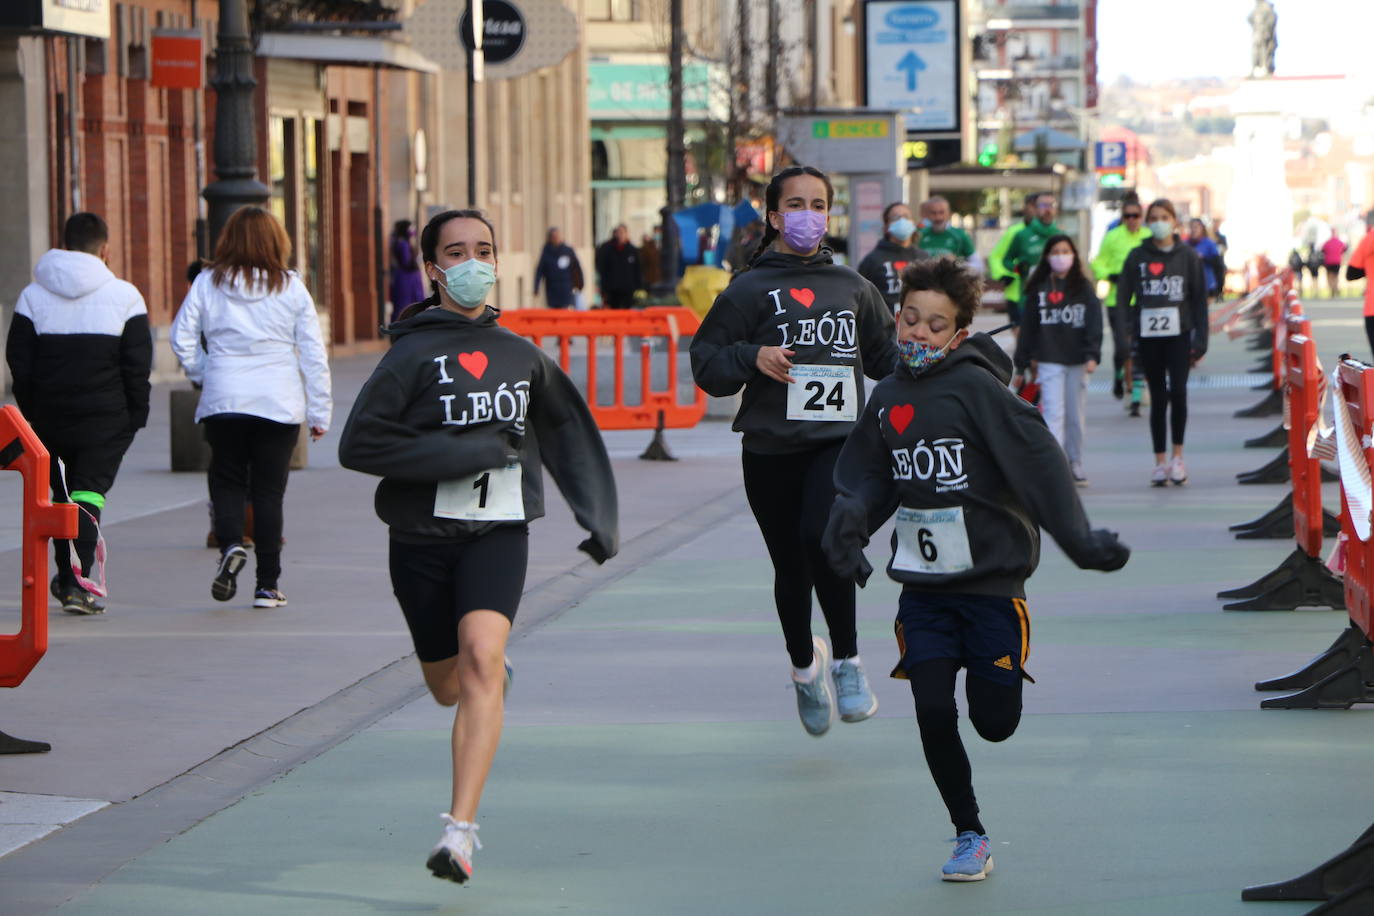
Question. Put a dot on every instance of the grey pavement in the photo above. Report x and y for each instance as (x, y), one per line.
(286, 761)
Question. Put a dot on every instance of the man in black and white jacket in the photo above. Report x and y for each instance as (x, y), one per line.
(80, 353)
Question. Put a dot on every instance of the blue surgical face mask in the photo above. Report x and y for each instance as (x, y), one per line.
(468, 282)
(902, 228)
(918, 356)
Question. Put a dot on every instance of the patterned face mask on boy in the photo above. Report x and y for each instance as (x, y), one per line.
(918, 356)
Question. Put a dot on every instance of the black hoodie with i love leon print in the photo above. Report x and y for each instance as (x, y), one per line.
(456, 420)
(835, 322)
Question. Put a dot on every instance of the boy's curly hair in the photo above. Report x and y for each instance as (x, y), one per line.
(946, 274)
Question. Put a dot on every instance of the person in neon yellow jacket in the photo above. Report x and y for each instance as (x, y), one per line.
(997, 267)
(1116, 244)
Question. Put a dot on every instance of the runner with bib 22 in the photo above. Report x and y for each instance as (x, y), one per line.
(798, 333)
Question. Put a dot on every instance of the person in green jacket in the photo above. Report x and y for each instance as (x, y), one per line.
(940, 237)
(997, 267)
(1029, 244)
(1116, 244)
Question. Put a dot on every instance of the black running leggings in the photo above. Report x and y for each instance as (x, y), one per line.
(1166, 361)
(250, 459)
(791, 497)
(995, 711)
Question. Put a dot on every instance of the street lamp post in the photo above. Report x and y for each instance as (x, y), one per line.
(236, 168)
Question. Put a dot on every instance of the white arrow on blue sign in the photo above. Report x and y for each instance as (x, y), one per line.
(911, 52)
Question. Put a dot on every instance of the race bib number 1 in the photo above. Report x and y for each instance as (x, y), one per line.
(824, 393)
(1160, 322)
(491, 496)
(932, 541)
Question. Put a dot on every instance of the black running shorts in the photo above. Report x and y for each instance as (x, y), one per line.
(437, 583)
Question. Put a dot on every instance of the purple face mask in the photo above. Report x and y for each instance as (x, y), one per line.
(803, 230)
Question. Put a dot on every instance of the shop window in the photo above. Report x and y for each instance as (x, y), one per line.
(613, 10)
(601, 167)
(314, 142)
(276, 168)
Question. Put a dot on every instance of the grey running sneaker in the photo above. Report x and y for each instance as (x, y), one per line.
(226, 576)
(451, 858)
(815, 702)
(855, 700)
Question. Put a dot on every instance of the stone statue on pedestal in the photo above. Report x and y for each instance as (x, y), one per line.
(1264, 41)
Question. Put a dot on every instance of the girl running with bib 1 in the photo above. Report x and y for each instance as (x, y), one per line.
(1165, 289)
(973, 474)
(798, 332)
(456, 419)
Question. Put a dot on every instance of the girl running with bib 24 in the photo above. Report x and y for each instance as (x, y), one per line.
(972, 473)
(798, 332)
(456, 419)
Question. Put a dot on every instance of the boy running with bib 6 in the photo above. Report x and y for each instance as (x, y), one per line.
(972, 473)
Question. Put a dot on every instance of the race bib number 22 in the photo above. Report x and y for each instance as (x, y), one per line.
(822, 393)
(1160, 322)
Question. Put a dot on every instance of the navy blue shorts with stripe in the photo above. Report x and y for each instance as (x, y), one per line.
(988, 634)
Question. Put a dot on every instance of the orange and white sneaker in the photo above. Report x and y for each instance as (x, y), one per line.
(451, 859)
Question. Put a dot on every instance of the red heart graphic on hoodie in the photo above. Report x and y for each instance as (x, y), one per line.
(900, 417)
(900, 266)
(475, 363)
(1156, 267)
(1056, 297)
(805, 296)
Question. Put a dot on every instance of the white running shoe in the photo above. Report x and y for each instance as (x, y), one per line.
(1178, 474)
(1160, 476)
(451, 859)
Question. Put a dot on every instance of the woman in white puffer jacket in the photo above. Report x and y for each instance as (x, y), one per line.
(263, 372)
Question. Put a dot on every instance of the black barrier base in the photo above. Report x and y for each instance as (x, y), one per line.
(1273, 439)
(1270, 406)
(1262, 386)
(1353, 683)
(1350, 870)
(1264, 364)
(1338, 655)
(658, 446)
(1299, 581)
(1276, 471)
(1261, 341)
(12, 745)
(1277, 524)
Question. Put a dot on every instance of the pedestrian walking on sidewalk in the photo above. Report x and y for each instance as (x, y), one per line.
(883, 265)
(80, 353)
(407, 285)
(619, 272)
(972, 474)
(263, 371)
(1165, 291)
(456, 420)
(1061, 344)
(559, 271)
(798, 332)
(1120, 241)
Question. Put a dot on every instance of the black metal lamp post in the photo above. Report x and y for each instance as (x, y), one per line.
(236, 168)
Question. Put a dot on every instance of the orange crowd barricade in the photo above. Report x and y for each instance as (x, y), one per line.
(1357, 388)
(21, 451)
(1272, 288)
(655, 408)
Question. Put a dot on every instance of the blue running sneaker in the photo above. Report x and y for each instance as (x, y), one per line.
(972, 858)
(815, 702)
(855, 700)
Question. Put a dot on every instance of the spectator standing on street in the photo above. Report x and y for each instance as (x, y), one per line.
(443, 422)
(1061, 343)
(940, 237)
(559, 270)
(883, 265)
(1213, 268)
(1361, 263)
(618, 270)
(1029, 244)
(798, 333)
(1333, 252)
(406, 285)
(263, 372)
(80, 353)
(1116, 244)
(1163, 286)
(997, 267)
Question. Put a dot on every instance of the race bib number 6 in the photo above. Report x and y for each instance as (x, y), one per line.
(491, 496)
(822, 393)
(932, 541)
(1160, 322)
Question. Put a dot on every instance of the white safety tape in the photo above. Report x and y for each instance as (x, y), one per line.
(1354, 467)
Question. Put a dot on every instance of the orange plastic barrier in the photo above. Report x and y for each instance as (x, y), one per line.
(667, 322)
(21, 451)
(1274, 302)
(1304, 382)
(1357, 385)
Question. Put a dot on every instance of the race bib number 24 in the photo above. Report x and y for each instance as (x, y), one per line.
(822, 393)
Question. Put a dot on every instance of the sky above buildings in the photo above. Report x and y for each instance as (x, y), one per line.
(1153, 40)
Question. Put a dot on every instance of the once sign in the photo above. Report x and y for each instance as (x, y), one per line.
(518, 36)
(503, 31)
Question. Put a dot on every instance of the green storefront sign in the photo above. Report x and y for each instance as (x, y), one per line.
(639, 92)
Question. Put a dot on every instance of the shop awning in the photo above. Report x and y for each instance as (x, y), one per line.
(360, 50)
